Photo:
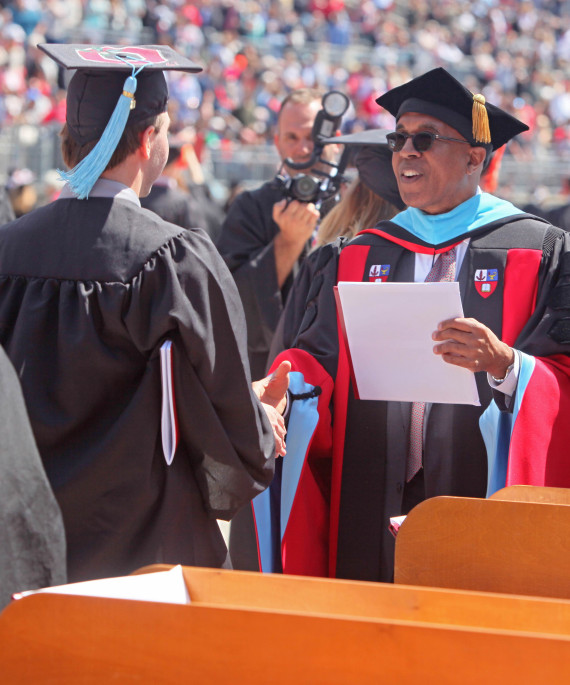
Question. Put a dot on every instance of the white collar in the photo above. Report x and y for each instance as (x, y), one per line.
(104, 187)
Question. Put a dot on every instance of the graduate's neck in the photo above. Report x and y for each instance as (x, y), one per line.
(129, 175)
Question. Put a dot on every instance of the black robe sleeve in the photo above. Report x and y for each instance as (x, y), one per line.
(530, 447)
(186, 294)
(309, 337)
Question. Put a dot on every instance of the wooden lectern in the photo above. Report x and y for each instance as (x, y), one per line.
(253, 628)
(533, 493)
(487, 545)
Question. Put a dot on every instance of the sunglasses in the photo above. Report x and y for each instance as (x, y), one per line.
(421, 141)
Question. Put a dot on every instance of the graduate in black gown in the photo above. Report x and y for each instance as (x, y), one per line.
(91, 286)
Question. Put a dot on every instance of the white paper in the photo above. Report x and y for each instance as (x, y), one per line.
(395, 523)
(162, 586)
(389, 328)
(168, 418)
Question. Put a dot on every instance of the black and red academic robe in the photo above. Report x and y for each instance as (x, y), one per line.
(349, 455)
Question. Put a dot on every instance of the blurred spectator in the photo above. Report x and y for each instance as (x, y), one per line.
(53, 186)
(60, 18)
(559, 215)
(57, 110)
(22, 191)
(26, 13)
(6, 209)
(170, 198)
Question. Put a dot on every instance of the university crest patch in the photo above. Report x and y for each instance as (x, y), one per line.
(379, 273)
(486, 281)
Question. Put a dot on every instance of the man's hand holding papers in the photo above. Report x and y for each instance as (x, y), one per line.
(470, 344)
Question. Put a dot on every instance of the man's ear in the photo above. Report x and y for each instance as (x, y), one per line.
(476, 158)
(146, 139)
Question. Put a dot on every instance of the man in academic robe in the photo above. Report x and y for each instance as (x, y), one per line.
(143, 456)
(353, 464)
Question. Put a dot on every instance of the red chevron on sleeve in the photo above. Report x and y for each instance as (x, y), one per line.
(519, 294)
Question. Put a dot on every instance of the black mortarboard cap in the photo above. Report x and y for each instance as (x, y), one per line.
(373, 159)
(113, 85)
(375, 170)
(438, 94)
(113, 57)
(371, 136)
(97, 84)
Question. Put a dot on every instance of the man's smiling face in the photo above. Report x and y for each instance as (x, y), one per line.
(439, 179)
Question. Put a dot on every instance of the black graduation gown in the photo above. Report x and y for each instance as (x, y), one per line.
(174, 206)
(32, 539)
(89, 290)
(370, 439)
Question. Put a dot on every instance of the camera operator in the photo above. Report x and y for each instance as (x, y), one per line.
(267, 231)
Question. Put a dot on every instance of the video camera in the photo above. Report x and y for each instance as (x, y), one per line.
(319, 185)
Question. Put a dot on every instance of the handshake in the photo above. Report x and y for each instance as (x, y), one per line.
(271, 391)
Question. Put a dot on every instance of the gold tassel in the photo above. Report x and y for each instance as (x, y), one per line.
(481, 130)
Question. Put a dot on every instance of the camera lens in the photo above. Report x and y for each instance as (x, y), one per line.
(335, 103)
(305, 188)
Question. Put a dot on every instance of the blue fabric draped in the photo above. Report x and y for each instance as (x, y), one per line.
(497, 427)
(271, 511)
(477, 211)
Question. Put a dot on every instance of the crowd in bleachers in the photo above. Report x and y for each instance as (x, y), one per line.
(254, 51)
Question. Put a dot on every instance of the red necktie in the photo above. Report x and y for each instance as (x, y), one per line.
(443, 269)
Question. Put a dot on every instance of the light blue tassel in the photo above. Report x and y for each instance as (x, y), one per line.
(82, 177)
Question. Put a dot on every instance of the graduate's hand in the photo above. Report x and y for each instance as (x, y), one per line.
(296, 220)
(272, 392)
(273, 388)
(278, 425)
(470, 344)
